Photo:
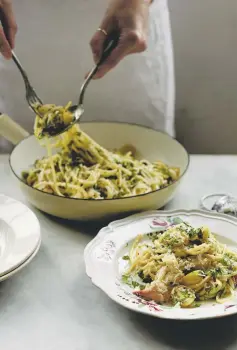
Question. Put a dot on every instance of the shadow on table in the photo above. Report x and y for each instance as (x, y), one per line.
(87, 227)
(90, 227)
(215, 334)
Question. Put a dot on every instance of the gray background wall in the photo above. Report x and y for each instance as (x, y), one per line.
(205, 46)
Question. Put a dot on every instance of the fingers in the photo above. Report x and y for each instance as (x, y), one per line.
(130, 21)
(131, 41)
(10, 23)
(5, 48)
(8, 29)
(97, 44)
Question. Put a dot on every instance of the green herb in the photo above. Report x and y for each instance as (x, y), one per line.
(125, 279)
(215, 272)
(153, 236)
(25, 174)
(196, 304)
(135, 284)
(126, 257)
(226, 260)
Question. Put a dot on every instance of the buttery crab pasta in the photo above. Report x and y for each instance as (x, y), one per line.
(52, 119)
(81, 168)
(181, 266)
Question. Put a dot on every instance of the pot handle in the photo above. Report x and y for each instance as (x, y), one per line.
(11, 131)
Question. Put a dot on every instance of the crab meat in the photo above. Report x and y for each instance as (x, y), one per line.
(157, 291)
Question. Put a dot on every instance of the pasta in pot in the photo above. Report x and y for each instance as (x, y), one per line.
(83, 169)
(181, 266)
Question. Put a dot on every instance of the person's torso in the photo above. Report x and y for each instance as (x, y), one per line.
(53, 46)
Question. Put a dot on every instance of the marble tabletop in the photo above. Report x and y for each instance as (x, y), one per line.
(52, 305)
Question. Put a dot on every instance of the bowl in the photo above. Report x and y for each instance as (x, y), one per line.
(148, 144)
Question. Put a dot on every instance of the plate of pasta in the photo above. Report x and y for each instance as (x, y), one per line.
(172, 264)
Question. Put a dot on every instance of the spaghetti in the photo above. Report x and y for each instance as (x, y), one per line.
(51, 120)
(83, 169)
(181, 266)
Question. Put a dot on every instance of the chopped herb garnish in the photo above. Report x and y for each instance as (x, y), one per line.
(125, 279)
(126, 257)
(135, 284)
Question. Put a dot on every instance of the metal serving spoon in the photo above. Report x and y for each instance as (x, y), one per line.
(34, 101)
(78, 110)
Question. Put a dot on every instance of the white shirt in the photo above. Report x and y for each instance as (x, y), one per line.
(53, 46)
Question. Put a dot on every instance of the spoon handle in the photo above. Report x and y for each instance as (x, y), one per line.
(110, 43)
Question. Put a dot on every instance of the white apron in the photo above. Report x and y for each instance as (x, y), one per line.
(53, 46)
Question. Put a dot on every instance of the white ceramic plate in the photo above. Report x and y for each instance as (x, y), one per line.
(19, 234)
(20, 267)
(105, 266)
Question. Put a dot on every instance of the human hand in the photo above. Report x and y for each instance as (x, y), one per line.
(8, 28)
(129, 19)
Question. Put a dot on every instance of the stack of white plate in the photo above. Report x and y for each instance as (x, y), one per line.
(20, 237)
